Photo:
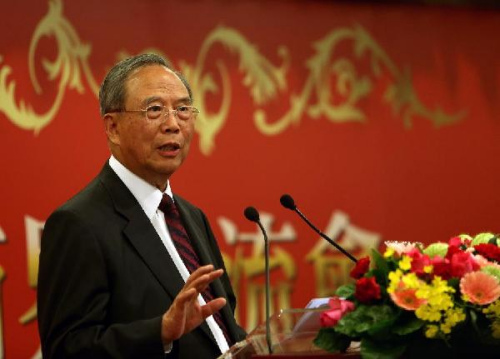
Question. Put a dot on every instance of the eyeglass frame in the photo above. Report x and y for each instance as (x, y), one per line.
(165, 112)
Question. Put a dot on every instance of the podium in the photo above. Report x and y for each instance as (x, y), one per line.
(292, 335)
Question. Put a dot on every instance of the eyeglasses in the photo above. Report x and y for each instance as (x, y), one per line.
(157, 112)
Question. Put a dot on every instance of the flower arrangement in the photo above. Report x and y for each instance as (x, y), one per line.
(413, 301)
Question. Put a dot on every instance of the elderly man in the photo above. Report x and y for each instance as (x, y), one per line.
(128, 269)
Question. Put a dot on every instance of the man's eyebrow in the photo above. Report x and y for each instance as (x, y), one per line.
(151, 99)
(187, 100)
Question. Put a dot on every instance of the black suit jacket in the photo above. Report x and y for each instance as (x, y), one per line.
(105, 278)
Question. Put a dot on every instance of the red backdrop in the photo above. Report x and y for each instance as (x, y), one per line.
(381, 121)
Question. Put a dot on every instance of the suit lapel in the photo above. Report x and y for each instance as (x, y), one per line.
(141, 233)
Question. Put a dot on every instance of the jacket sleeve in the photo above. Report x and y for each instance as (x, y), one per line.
(73, 297)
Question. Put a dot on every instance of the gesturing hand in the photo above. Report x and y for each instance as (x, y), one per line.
(185, 313)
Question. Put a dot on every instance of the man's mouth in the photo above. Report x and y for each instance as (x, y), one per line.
(169, 147)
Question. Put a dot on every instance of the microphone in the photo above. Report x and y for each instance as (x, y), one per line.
(253, 215)
(287, 201)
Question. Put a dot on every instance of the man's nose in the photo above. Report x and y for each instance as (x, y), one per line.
(170, 121)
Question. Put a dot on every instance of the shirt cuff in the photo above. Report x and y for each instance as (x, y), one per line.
(168, 347)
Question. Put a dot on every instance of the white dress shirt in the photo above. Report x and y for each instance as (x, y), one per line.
(149, 198)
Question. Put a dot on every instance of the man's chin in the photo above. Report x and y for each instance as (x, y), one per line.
(167, 169)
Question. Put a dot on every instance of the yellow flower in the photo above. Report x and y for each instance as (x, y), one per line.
(424, 291)
(428, 313)
(428, 269)
(442, 285)
(439, 307)
(492, 311)
(440, 301)
(411, 281)
(493, 308)
(452, 318)
(445, 328)
(405, 263)
(394, 279)
(431, 331)
(389, 252)
(495, 329)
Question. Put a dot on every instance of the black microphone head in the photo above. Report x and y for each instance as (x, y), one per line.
(251, 214)
(287, 201)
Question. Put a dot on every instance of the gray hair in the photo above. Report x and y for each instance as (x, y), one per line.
(112, 91)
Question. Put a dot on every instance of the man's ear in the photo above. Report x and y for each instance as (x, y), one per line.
(111, 127)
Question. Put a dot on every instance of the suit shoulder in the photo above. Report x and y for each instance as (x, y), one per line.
(91, 205)
(91, 196)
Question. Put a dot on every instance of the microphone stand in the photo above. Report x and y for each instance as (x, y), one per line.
(253, 215)
(268, 286)
(349, 255)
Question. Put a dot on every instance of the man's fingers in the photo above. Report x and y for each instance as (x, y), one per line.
(199, 272)
(186, 296)
(201, 282)
(174, 320)
(185, 313)
(212, 307)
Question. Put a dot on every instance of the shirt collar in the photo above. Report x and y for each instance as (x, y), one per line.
(148, 196)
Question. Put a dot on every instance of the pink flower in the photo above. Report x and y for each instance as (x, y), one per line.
(480, 288)
(483, 262)
(361, 268)
(367, 290)
(402, 247)
(338, 308)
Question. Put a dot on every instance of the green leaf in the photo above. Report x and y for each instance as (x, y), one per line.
(493, 271)
(484, 238)
(380, 262)
(381, 278)
(408, 326)
(454, 283)
(493, 240)
(384, 318)
(473, 319)
(331, 341)
(371, 349)
(436, 249)
(346, 291)
(367, 319)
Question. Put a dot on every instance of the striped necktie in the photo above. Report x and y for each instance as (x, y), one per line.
(186, 251)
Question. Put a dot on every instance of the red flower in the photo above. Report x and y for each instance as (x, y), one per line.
(361, 268)
(441, 267)
(367, 290)
(419, 261)
(488, 251)
(339, 307)
(453, 247)
(455, 242)
(462, 263)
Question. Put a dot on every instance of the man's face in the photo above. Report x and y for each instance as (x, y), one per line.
(153, 150)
